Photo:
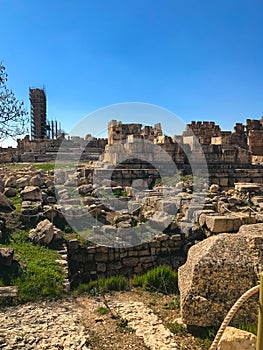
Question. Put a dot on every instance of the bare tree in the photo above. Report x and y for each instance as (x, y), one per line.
(13, 115)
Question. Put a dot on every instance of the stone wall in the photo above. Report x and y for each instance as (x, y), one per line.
(88, 263)
(45, 150)
(255, 141)
(117, 131)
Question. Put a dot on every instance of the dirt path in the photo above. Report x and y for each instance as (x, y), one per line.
(136, 320)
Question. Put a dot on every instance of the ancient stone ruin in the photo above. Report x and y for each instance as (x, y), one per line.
(137, 219)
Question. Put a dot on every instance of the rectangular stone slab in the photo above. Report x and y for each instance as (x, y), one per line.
(10, 291)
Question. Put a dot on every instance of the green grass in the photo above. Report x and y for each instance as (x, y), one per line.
(102, 310)
(17, 201)
(123, 327)
(174, 304)
(38, 276)
(161, 279)
(176, 328)
(249, 328)
(104, 285)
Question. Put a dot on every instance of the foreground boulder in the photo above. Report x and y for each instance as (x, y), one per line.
(217, 272)
(236, 339)
(43, 233)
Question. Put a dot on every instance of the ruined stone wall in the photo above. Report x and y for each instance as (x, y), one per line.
(204, 131)
(226, 175)
(87, 263)
(255, 142)
(118, 132)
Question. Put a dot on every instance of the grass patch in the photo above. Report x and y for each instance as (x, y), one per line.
(161, 279)
(249, 328)
(176, 328)
(123, 327)
(174, 304)
(102, 310)
(37, 276)
(17, 201)
(104, 285)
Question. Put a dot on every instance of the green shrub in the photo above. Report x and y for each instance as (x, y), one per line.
(115, 283)
(161, 279)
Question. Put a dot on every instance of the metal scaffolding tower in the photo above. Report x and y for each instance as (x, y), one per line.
(38, 113)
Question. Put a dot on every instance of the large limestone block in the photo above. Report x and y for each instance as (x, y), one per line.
(227, 223)
(217, 272)
(236, 339)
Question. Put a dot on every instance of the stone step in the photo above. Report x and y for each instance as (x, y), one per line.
(8, 291)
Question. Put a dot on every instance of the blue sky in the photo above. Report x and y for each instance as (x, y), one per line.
(202, 60)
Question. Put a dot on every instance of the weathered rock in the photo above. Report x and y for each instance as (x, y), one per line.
(6, 256)
(247, 187)
(43, 233)
(6, 203)
(31, 193)
(214, 188)
(236, 339)
(10, 192)
(227, 223)
(160, 220)
(31, 208)
(10, 181)
(22, 182)
(36, 181)
(217, 272)
(85, 189)
(58, 234)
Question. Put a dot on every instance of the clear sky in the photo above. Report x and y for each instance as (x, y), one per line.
(200, 59)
